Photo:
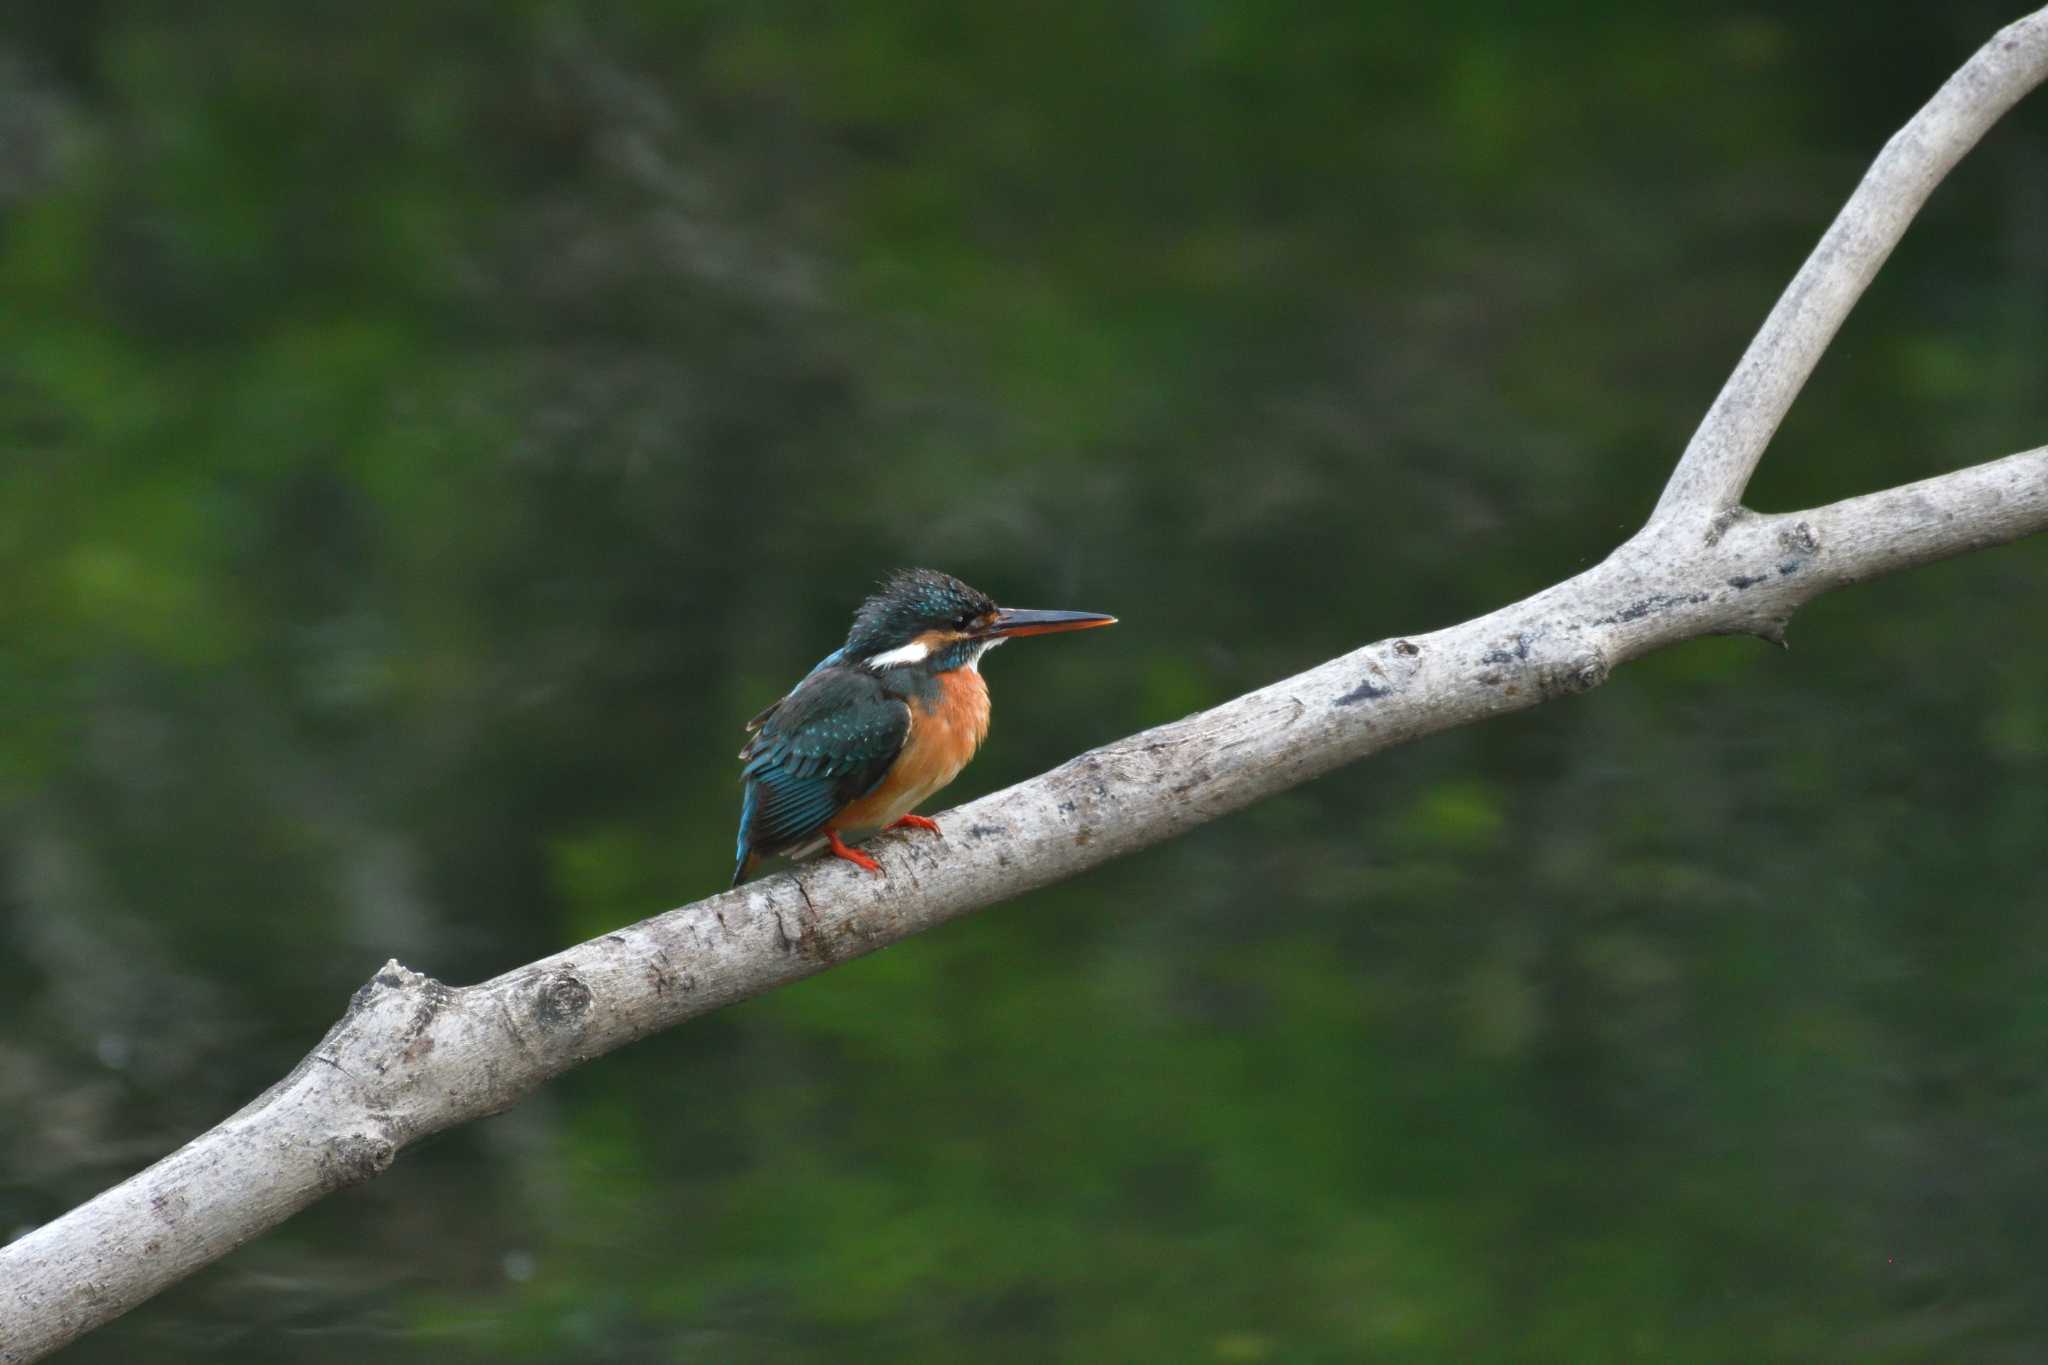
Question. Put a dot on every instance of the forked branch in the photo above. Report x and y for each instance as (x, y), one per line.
(412, 1056)
(1724, 451)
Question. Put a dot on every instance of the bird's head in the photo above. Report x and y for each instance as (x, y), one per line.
(932, 621)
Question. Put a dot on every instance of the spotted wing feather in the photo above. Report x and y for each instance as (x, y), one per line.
(828, 743)
(761, 718)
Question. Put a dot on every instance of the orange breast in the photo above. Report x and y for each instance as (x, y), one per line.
(940, 743)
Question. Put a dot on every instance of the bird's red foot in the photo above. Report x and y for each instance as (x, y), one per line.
(918, 822)
(852, 855)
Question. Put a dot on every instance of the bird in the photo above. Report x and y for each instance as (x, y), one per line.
(881, 722)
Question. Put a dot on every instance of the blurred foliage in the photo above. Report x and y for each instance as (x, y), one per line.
(426, 433)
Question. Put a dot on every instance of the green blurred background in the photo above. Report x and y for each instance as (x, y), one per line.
(427, 432)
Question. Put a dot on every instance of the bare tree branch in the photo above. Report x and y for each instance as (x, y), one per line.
(413, 1057)
(1723, 453)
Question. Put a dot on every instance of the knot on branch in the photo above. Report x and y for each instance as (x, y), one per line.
(1799, 539)
(392, 976)
(560, 1001)
(1582, 672)
(353, 1158)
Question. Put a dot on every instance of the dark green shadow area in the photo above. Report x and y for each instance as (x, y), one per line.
(427, 433)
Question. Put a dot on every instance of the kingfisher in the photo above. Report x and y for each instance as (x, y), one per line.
(882, 722)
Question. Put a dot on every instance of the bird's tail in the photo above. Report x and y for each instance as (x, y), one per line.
(743, 853)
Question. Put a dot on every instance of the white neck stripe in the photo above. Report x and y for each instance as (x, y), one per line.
(913, 653)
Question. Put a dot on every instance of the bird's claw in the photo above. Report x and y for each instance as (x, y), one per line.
(840, 849)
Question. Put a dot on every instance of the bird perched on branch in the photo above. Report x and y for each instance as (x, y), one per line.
(882, 722)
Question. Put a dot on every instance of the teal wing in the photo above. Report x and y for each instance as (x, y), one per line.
(828, 743)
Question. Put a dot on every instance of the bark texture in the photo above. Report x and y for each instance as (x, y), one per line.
(413, 1056)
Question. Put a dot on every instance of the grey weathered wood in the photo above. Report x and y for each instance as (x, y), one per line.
(413, 1056)
(1731, 438)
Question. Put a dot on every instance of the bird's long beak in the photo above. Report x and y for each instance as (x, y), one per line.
(1021, 621)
